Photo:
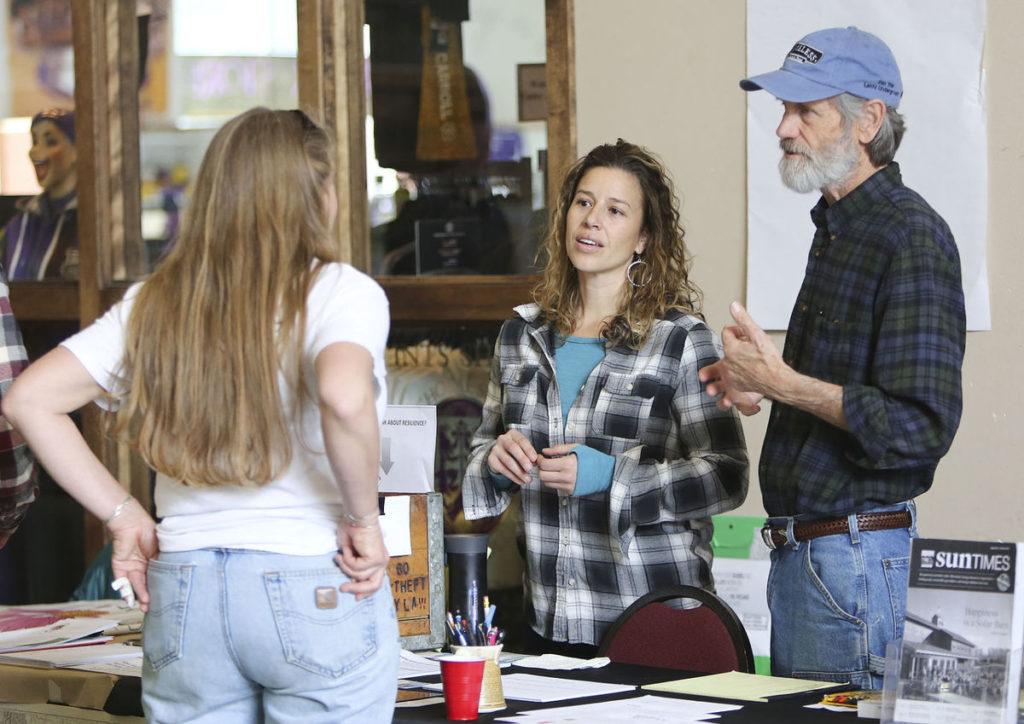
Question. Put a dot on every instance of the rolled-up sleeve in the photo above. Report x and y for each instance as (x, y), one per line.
(907, 415)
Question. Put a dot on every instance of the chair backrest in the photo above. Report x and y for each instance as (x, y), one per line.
(708, 638)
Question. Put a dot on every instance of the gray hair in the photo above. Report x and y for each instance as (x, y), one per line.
(883, 146)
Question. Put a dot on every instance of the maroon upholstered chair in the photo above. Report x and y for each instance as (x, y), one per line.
(708, 638)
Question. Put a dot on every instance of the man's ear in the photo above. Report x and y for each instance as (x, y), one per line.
(870, 121)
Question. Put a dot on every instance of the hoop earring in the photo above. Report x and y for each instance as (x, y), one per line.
(646, 277)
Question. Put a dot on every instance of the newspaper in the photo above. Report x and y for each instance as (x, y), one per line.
(964, 625)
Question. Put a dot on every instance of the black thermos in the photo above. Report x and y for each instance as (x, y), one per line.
(466, 555)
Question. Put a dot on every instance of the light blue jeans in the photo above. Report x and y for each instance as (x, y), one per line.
(838, 600)
(238, 636)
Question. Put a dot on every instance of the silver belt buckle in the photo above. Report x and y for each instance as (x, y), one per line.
(766, 536)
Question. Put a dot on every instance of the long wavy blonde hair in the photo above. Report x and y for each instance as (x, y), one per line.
(666, 257)
(224, 313)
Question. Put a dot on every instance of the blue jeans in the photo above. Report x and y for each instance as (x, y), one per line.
(238, 636)
(838, 600)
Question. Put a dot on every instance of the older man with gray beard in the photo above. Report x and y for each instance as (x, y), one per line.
(867, 391)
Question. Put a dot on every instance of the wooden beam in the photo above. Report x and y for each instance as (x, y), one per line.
(331, 79)
(105, 36)
(446, 301)
(560, 31)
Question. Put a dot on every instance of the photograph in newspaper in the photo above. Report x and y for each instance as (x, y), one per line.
(959, 633)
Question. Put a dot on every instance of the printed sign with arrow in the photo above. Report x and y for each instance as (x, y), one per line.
(408, 435)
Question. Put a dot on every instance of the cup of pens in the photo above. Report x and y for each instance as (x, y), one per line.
(492, 698)
(471, 639)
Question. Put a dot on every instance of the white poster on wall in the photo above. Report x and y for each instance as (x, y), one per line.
(943, 155)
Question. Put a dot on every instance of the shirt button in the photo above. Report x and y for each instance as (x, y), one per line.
(565, 501)
(629, 386)
(803, 307)
(572, 581)
(817, 253)
(832, 237)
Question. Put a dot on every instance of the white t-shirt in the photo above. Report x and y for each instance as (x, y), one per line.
(298, 512)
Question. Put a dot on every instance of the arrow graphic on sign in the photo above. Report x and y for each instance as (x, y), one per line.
(385, 455)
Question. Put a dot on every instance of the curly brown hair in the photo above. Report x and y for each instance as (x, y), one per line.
(666, 257)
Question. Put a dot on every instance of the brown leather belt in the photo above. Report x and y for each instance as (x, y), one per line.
(775, 537)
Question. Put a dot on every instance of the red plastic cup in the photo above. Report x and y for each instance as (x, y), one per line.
(461, 678)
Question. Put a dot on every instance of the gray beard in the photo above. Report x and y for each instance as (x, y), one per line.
(814, 172)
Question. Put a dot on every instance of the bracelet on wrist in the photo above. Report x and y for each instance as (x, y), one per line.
(362, 521)
(118, 510)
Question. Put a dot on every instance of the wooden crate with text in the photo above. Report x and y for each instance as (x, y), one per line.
(417, 580)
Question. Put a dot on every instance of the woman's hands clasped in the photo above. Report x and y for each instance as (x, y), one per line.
(514, 456)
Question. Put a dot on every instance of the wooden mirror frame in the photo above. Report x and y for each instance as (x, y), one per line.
(331, 81)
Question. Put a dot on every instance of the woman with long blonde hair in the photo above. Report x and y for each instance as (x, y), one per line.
(595, 414)
(248, 371)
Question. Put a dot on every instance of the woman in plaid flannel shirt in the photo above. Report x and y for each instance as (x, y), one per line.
(595, 414)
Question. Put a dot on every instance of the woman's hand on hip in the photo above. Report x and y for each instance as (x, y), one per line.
(361, 556)
(134, 543)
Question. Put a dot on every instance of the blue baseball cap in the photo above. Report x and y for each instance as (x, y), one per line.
(833, 61)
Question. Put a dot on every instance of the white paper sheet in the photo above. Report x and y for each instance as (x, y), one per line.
(73, 656)
(536, 688)
(395, 525)
(412, 664)
(742, 582)
(943, 155)
(555, 662)
(653, 709)
(118, 667)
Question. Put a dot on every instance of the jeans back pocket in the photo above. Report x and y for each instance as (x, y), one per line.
(325, 641)
(163, 634)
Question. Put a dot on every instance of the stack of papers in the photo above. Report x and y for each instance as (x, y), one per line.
(67, 635)
(412, 665)
(49, 633)
(76, 656)
(119, 618)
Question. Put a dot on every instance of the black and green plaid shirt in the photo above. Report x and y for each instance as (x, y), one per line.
(880, 312)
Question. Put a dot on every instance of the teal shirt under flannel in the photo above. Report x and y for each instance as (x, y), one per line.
(881, 313)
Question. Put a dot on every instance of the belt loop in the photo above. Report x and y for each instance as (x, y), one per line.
(854, 528)
(912, 507)
(790, 538)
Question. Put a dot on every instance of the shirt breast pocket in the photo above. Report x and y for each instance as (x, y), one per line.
(521, 385)
(624, 403)
(835, 346)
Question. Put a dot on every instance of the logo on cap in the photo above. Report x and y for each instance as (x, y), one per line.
(803, 53)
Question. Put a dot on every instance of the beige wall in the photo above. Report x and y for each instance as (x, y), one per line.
(663, 73)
